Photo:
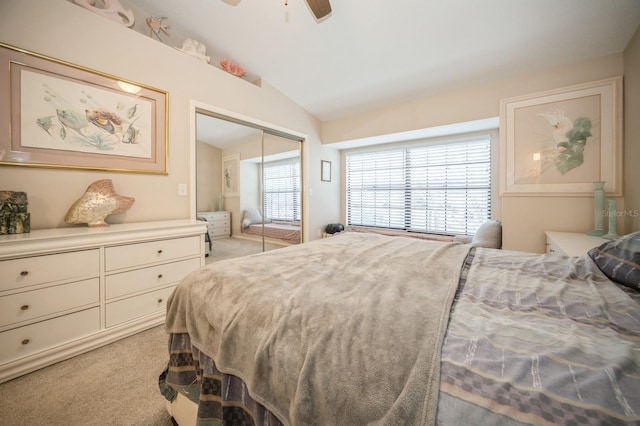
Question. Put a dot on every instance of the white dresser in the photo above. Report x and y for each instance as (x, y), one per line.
(571, 243)
(218, 224)
(69, 290)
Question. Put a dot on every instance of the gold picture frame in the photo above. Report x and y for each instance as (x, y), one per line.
(558, 142)
(59, 115)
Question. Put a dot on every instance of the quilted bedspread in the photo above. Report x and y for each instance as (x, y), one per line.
(539, 339)
(531, 339)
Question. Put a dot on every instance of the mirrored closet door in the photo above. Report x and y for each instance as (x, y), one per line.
(248, 186)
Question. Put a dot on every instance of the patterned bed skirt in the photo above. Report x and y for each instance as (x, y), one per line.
(221, 398)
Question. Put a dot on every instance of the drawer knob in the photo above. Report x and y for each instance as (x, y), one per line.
(24, 307)
(159, 276)
(24, 273)
(159, 300)
(160, 251)
(26, 341)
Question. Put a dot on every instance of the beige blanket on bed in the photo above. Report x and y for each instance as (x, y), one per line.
(342, 331)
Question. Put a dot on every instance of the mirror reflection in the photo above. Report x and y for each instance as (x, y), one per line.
(248, 187)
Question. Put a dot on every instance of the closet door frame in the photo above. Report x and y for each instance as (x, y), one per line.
(196, 107)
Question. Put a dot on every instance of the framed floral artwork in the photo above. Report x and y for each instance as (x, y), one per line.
(60, 115)
(559, 142)
(231, 175)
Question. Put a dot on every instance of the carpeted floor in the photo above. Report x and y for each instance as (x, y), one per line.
(116, 384)
(227, 248)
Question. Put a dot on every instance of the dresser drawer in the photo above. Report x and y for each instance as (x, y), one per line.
(213, 216)
(149, 278)
(218, 232)
(27, 340)
(138, 306)
(33, 304)
(28, 271)
(218, 223)
(132, 255)
(552, 247)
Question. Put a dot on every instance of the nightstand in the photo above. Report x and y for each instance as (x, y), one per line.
(571, 243)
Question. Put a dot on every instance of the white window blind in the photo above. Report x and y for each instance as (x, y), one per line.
(442, 188)
(281, 190)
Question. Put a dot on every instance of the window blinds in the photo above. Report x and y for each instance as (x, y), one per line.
(281, 190)
(442, 188)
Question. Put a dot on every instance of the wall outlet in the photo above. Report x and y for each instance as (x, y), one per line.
(182, 189)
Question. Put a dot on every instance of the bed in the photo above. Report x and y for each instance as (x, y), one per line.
(372, 329)
(287, 232)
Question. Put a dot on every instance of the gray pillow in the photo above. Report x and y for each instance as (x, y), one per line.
(619, 260)
(489, 235)
(251, 216)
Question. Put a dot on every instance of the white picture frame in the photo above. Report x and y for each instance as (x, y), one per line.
(558, 142)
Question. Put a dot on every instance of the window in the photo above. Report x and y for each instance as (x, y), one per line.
(281, 180)
(439, 187)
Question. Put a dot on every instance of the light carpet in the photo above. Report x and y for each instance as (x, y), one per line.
(116, 384)
(229, 248)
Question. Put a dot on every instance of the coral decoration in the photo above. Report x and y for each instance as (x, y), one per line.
(232, 68)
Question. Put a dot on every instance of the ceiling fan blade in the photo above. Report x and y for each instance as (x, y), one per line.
(320, 8)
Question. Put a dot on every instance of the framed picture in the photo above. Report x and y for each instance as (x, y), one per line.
(325, 171)
(230, 175)
(561, 141)
(60, 115)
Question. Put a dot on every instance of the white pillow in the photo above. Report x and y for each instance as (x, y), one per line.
(489, 235)
(251, 216)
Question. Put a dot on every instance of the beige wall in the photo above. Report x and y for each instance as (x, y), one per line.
(208, 177)
(632, 134)
(524, 218)
(65, 31)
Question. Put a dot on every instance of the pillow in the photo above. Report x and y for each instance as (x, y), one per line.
(251, 216)
(619, 260)
(489, 235)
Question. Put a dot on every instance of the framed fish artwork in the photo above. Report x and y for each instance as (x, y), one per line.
(57, 114)
(559, 142)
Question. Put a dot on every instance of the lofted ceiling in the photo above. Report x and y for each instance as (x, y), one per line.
(371, 53)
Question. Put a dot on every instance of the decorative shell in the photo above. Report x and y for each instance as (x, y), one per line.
(99, 201)
(111, 9)
(196, 49)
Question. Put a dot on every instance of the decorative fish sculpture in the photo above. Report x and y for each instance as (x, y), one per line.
(99, 201)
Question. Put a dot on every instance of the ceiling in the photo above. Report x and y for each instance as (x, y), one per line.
(372, 53)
